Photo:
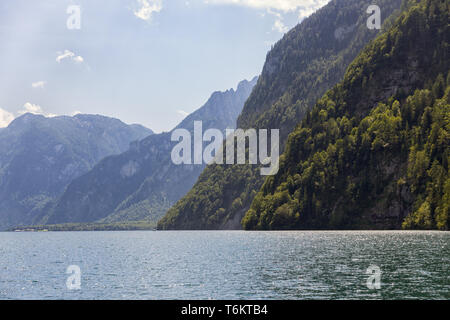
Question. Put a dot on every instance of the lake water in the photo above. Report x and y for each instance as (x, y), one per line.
(225, 265)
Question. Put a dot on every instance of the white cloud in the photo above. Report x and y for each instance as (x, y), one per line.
(307, 11)
(39, 84)
(31, 108)
(183, 113)
(5, 118)
(279, 26)
(68, 55)
(277, 8)
(64, 55)
(35, 109)
(281, 5)
(78, 59)
(147, 8)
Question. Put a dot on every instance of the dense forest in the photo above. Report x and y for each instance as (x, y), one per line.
(374, 151)
(300, 68)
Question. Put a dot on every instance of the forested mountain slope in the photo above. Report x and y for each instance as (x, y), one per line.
(374, 151)
(301, 67)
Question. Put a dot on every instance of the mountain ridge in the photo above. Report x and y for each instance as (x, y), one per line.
(300, 68)
(374, 151)
(122, 188)
(39, 156)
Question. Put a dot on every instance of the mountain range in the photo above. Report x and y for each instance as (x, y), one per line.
(142, 183)
(364, 128)
(372, 153)
(310, 59)
(40, 156)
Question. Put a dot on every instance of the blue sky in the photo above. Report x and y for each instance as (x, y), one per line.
(142, 61)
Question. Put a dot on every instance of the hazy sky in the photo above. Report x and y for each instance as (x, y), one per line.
(142, 61)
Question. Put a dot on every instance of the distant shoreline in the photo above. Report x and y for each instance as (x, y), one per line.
(132, 226)
(120, 226)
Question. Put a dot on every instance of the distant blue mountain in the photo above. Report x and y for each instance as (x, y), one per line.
(142, 183)
(40, 156)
